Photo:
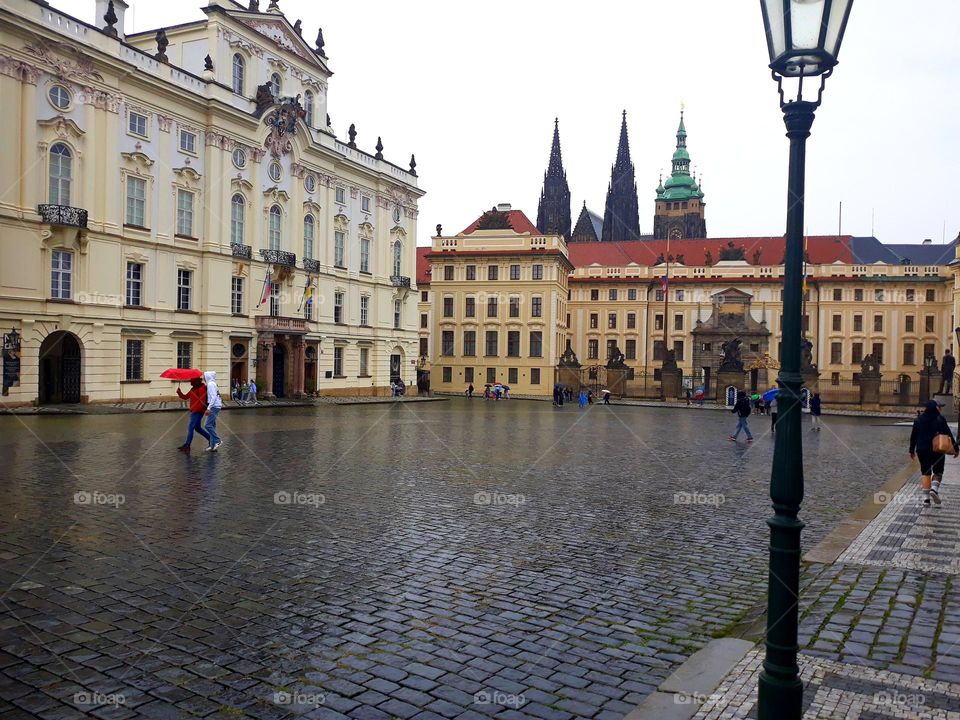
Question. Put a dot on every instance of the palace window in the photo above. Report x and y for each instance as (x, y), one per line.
(308, 108)
(928, 323)
(136, 201)
(134, 294)
(931, 295)
(185, 200)
(612, 294)
(364, 369)
(631, 350)
(470, 342)
(365, 204)
(929, 349)
(448, 272)
(188, 142)
(309, 228)
(276, 223)
(514, 310)
(512, 376)
(514, 272)
(858, 323)
(423, 321)
(491, 375)
(594, 320)
(337, 361)
(658, 296)
(536, 343)
(341, 195)
(134, 369)
(446, 344)
(339, 240)
(513, 343)
(631, 321)
(534, 376)
(595, 294)
(490, 348)
(424, 296)
(61, 174)
(365, 310)
(184, 288)
(878, 352)
(837, 294)
(658, 352)
(448, 307)
(275, 300)
(678, 349)
(909, 354)
(536, 307)
(275, 85)
(338, 308)
(423, 346)
(612, 321)
(537, 272)
(492, 272)
(631, 294)
(61, 274)
(239, 69)
(837, 323)
(470, 307)
(447, 375)
(878, 323)
(492, 307)
(836, 353)
(658, 322)
(137, 124)
(397, 314)
(364, 255)
(184, 354)
(397, 258)
(878, 295)
(593, 349)
(911, 295)
(856, 356)
(858, 295)
(679, 295)
(678, 322)
(236, 295)
(59, 97)
(238, 208)
(471, 272)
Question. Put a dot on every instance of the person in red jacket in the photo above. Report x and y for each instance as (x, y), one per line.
(198, 405)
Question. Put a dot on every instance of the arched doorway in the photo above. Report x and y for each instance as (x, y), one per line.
(60, 368)
(279, 370)
(396, 365)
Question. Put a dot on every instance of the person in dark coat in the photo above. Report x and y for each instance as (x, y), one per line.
(947, 366)
(926, 427)
(743, 410)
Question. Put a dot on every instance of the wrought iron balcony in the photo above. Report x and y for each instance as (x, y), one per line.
(311, 266)
(279, 257)
(63, 215)
(242, 251)
(400, 281)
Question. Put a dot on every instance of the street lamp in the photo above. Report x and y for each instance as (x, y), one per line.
(803, 39)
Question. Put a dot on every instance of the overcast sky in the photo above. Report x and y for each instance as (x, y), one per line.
(473, 88)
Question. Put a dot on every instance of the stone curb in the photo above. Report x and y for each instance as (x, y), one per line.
(680, 696)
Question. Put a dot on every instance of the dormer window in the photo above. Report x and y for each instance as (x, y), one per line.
(239, 69)
(275, 85)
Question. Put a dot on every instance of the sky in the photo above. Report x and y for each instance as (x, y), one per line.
(473, 89)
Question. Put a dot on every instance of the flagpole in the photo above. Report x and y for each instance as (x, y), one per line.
(666, 301)
(266, 279)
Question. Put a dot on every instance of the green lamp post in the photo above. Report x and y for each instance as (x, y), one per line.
(803, 38)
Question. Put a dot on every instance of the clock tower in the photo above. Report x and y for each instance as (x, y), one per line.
(679, 212)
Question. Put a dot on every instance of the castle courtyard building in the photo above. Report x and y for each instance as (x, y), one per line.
(178, 198)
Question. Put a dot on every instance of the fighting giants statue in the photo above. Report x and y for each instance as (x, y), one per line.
(732, 358)
(617, 360)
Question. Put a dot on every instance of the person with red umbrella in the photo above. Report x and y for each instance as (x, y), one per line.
(197, 397)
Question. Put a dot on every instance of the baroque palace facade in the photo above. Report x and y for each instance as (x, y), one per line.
(894, 302)
(179, 198)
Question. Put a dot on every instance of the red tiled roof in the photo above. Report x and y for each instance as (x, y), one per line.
(518, 221)
(823, 250)
(423, 265)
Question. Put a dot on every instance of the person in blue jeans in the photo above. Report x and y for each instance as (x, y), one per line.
(198, 403)
(214, 405)
(742, 409)
(816, 410)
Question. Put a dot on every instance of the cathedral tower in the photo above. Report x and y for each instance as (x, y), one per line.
(679, 210)
(553, 213)
(621, 218)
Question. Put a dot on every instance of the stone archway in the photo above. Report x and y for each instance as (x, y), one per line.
(60, 368)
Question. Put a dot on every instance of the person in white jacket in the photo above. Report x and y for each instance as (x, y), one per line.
(214, 405)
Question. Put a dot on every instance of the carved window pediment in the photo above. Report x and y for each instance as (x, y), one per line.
(137, 161)
(240, 184)
(187, 176)
(276, 194)
(341, 222)
(311, 207)
(366, 230)
(62, 127)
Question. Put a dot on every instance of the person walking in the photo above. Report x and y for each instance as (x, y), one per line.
(583, 398)
(687, 396)
(253, 392)
(743, 410)
(924, 447)
(606, 397)
(772, 406)
(815, 410)
(470, 391)
(214, 405)
(197, 397)
(947, 366)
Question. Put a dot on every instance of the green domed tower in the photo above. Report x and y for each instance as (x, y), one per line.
(680, 208)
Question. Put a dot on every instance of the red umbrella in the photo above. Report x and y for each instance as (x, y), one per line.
(181, 373)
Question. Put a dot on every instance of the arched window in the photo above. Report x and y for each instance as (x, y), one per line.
(237, 210)
(308, 107)
(61, 174)
(276, 218)
(239, 67)
(308, 228)
(275, 85)
(397, 257)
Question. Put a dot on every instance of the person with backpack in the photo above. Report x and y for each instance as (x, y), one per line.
(927, 445)
(743, 410)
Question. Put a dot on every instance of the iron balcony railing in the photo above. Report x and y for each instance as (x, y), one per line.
(400, 281)
(279, 257)
(311, 266)
(63, 215)
(242, 251)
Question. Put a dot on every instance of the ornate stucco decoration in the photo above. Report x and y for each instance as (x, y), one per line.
(139, 162)
(366, 230)
(63, 127)
(278, 32)
(236, 42)
(282, 122)
(19, 69)
(341, 222)
(164, 122)
(311, 207)
(100, 99)
(187, 177)
(240, 184)
(275, 194)
(78, 67)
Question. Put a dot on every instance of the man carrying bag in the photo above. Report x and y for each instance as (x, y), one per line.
(930, 441)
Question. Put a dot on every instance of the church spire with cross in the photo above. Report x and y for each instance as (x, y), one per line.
(679, 204)
(553, 213)
(621, 219)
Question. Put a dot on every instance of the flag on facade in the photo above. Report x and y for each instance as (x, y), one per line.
(267, 289)
(664, 282)
(307, 295)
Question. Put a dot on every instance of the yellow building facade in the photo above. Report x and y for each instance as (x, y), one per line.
(180, 199)
(496, 305)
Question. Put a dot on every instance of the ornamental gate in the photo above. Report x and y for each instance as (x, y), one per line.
(594, 378)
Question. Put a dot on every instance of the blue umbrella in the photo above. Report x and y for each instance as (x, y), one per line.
(770, 394)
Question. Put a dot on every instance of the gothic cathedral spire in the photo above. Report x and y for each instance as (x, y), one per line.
(553, 213)
(621, 218)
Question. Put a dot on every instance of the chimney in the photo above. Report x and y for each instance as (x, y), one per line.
(504, 207)
(119, 9)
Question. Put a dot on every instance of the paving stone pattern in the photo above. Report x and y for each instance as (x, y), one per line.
(439, 560)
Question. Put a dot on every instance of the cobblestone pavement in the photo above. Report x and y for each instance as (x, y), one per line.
(439, 560)
(880, 628)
